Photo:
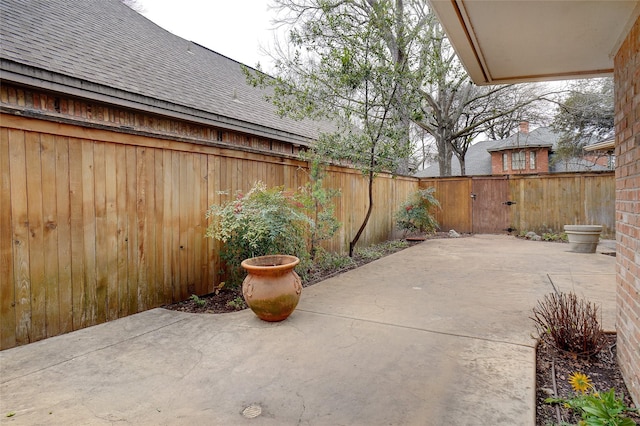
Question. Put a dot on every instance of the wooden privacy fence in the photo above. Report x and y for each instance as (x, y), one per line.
(96, 225)
(539, 203)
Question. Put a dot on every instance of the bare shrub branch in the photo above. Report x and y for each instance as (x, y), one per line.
(570, 324)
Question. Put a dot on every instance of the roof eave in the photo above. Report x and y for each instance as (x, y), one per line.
(25, 75)
(607, 145)
(466, 25)
(511, 148)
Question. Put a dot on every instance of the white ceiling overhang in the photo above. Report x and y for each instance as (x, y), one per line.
(523, 40)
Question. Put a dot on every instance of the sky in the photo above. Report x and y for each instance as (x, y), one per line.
(234, 28)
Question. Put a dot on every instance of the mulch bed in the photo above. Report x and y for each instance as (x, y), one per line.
(603, 371)
(218, 302)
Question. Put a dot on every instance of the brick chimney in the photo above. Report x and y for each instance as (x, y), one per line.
(524, 127)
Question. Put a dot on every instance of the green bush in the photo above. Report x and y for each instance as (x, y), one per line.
(260, 222)
(416, 214)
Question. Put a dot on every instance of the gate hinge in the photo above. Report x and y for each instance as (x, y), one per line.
(508, 203)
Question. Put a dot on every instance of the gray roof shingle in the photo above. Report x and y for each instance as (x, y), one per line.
(540, 137)
(477, 162)
(106, 43)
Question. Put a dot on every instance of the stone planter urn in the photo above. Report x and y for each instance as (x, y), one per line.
(583, 238)
(272, 288)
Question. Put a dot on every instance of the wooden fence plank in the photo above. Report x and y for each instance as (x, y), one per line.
(20, 237)
(123, 230)
(101, 244)
(213, 197)
(158, 190)
(191, 182)
(63, 221)
(7, 280)
(89, 234)
(167, 226)
(176, 271)
(151, 292)
(142, 208)
(132, 230)
(201, 257)
(111, 223)
(50, 235)
(36, 236)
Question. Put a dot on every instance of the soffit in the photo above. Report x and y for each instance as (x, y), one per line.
(523, 40)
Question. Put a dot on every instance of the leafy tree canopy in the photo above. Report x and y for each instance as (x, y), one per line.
(584, 116)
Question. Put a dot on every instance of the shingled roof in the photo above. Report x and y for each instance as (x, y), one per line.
(478, 158)
(105, 51)
(539, 138)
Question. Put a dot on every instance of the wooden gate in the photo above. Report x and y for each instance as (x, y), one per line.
(491, 205)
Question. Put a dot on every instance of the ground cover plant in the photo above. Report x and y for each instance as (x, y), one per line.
(554, 371)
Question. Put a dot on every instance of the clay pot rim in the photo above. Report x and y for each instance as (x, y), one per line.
(583, 228)
(271, 262)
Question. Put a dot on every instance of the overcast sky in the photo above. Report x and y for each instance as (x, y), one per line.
(234, 28)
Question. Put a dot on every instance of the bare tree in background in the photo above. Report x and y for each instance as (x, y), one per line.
(433, 90)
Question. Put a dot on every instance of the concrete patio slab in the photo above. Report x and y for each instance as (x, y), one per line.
(438, 334)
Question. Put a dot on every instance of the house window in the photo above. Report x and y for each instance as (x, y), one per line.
(505, 162)
(517, 160)
(532, 160)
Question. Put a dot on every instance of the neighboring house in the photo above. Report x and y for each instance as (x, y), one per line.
(100, 63)
(523, 152)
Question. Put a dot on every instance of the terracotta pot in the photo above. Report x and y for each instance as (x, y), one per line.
(272, 288)
(583, 238)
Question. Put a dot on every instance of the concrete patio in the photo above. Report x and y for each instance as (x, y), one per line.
(438, 334)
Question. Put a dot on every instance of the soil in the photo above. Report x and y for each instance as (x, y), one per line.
(603, 369)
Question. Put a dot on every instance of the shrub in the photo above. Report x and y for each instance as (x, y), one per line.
(569, 324)
(318, 205)
(260, 222)
(415, 214)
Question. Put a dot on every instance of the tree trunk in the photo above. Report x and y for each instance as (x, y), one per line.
(352, 244)
(444, 158)
(463, 165)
